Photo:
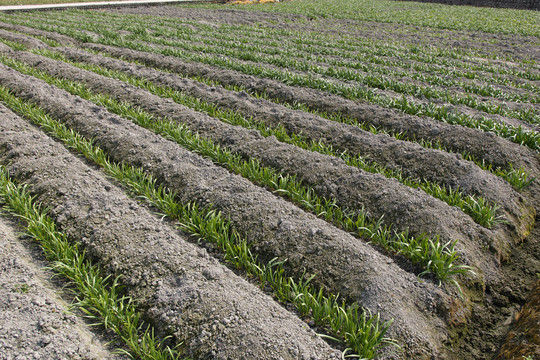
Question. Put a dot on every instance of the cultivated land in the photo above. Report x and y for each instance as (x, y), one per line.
(245, 178)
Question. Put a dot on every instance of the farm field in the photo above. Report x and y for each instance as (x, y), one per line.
(278, 181)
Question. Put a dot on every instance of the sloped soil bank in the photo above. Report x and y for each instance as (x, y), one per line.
(61, 39)
(183, 290)
(524, 338)
(412, 159)
(35, 321)
(274, 227)
(352, 187)
(512, 304)
(482, 145)
(23, 39)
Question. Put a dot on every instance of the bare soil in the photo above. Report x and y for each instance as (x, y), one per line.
(434, 165)
(274, 227)
(483, 145)
(519, 47)
(401, 205)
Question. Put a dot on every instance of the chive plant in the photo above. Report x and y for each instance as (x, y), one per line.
(159, 26)
(337, 69)
(427, 55)
(249, 34)
(364, 54)
(439, 112)
(497, 21)
(304, 54)
(98, 296)
(362, 332)
(436, 259)
(518, 178)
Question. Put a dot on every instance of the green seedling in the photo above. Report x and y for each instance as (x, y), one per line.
(284, 185)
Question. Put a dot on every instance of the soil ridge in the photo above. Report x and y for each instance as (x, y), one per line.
(401, 206)
(36, 320)
(483, 145)
(172, 279)
(430, 164)
(274, 227)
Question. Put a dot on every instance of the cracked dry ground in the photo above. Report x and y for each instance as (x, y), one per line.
(183, 286)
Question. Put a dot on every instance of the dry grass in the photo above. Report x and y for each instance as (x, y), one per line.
(523, 341)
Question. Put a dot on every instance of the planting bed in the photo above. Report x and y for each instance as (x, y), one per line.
(392, 178)
(32, 311)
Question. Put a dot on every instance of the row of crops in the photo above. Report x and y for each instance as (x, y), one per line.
(493, 104)
(432, 16)
(374, 186)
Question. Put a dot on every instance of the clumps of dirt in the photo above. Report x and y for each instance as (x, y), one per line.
(23, 39)
(482, 145)
(403, 207)
(521, 337)
(430, 164)
(275, 228)
(61, 39)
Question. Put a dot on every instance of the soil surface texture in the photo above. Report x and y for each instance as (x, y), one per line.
(35, 317)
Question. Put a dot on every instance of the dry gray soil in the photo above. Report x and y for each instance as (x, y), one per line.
(188, 292)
